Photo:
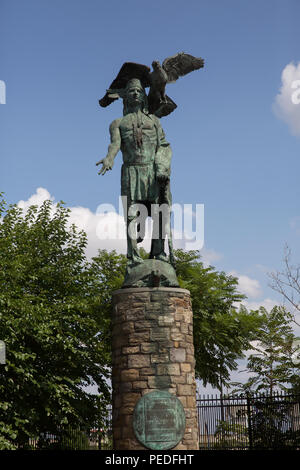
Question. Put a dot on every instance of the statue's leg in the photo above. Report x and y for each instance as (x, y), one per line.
(141, 224)
(132, 248)
(158, 235)
(171, 251)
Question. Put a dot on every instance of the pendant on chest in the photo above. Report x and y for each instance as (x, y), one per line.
(138, 125)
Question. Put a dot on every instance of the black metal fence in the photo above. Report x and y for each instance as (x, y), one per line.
(249, 422)
(225, 422)
(72, 439)
(68, 438)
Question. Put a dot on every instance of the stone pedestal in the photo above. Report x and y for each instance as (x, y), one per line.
(152, 350)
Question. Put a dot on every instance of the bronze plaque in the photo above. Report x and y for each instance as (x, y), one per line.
(159, 420)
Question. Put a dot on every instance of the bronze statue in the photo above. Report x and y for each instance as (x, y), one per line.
(145, 178)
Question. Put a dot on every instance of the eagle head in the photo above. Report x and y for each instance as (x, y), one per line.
(156, 64)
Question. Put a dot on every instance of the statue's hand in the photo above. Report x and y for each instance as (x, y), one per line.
(162, 178)
(162, 175)
(107, 165)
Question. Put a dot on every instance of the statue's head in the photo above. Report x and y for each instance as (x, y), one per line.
(135, 96)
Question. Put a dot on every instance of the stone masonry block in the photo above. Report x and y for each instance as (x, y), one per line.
(160, 334)
(185, 389)
(139, 337)
(185, 367)
(125, 387)
(139, 385)
(129, 375)
(159, 358)
(130, 399)
(168, 369)
(143, 325)
(159, 382)
(178, 379)
(177, 355)
(149, 348)
(134, 315)
(138, 361)
(130, 349)
(164, 320)
(177, 336)
(145, 371)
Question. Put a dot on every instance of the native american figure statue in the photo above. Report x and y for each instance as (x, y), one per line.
(145, 179)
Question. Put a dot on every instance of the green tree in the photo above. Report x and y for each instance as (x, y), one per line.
(287, 283)
(221, 332)
(230, 434)
(272, 365)
(53, 324)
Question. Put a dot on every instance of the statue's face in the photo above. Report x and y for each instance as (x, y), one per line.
(135, 95)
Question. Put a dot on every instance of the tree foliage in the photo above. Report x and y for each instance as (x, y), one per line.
(221, 332)
(52, 323)
(273, 364)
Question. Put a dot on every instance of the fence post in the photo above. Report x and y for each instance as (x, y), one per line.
(249, 422)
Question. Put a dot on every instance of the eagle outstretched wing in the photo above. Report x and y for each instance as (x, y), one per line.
(181, 64)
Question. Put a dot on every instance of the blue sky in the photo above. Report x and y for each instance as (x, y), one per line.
(234, 149)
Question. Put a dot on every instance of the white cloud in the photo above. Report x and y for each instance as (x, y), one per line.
(267, 303)
(287, 102)
(106, 231)
(38, 198)
(241, 374)
(99, 227)
(247, 286)
(209, 256)
(252, 289)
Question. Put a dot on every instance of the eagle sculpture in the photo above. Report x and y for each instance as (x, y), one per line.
(171, 69)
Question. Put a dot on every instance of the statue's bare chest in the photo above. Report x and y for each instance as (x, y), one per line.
(133, 123)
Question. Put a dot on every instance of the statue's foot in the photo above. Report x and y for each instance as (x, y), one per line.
(135, 260)
(151, 273)
(162, 257)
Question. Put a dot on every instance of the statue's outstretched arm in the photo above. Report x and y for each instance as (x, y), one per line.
(113, 149)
